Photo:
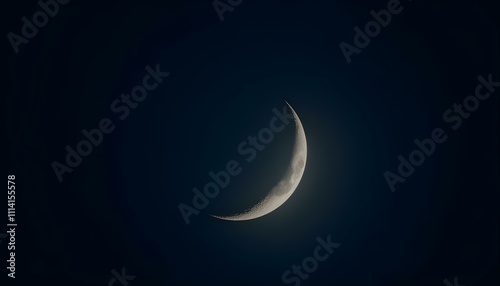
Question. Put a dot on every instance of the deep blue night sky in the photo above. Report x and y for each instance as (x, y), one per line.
(119, 207)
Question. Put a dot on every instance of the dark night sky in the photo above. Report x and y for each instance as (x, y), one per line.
(119, 207)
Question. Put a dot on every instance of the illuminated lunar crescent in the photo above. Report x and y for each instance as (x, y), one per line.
(283, 190)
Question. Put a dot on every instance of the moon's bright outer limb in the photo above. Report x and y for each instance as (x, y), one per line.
(280, 193)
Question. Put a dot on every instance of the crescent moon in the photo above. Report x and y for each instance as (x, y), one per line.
(283, 190)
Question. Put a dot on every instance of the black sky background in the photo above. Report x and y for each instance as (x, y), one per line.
(119, 208)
